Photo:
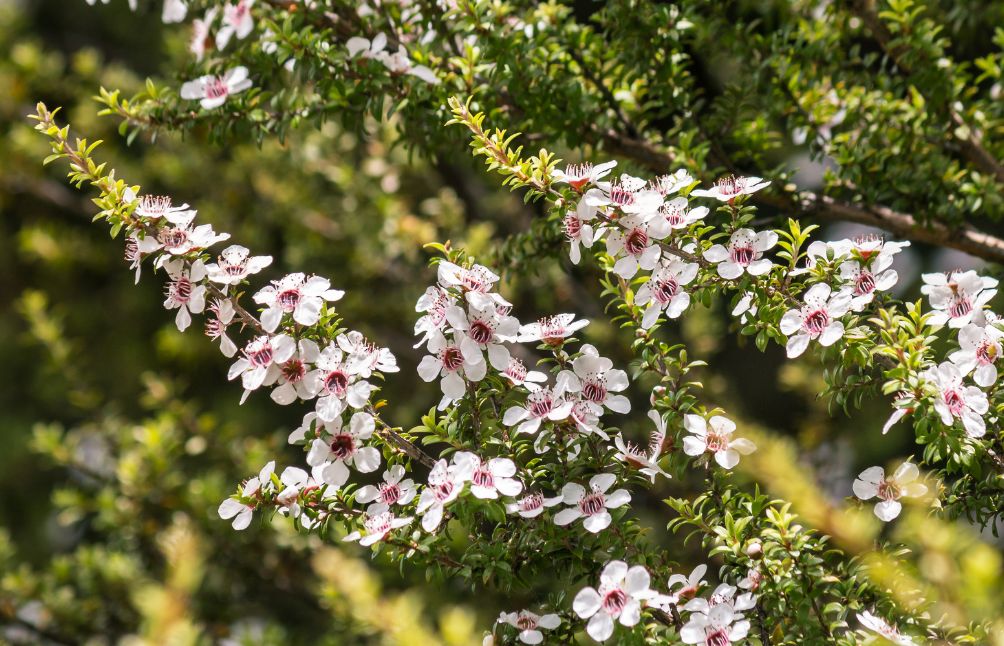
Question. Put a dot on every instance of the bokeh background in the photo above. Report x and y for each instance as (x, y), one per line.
(119, 436)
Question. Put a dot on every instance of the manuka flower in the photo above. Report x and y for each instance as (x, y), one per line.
(518, 375)
(185, 291)
(597, 381)
(448, 362)
(241, 508)
(532, 505)
(234, 264)
(881, 627)
(259, 355)
(223, 313)
(578, 229)
(729, 188)
(294, 294)
(979, 351)
(645, 459)
(676, 215)
(669, 184)
(483, 330)
(744, 253)
(181, 237)
(200, 38)
(635, 245)
(446, 483)
(293, 375)
(957, 401)
(552, 330)
(529, 623)
(721, 626)
(665, 291)
(541, 404)
(344, 448)
(155, 207)
(337, 383)
(212, 91)
(872, 483)
(957, 297)
(237, 21)
(378, 524)
(489, 478)
(591, 505)
(816, 319)
(433, 303)
(717, 440)
(394, 490)
(366, 356)
(619, 597)
(578, 175)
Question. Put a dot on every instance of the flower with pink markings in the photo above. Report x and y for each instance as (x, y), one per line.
(542, 404)
(237, 21)
(743, 254)
(212, 91)
(240, 507)
(978, 353)
(181, 237)
(185, 292)
(645, 459)
(223, 313)
(433, 303)
(489, 478)
(676, 215)
(446, 483)
(664, 291)
(529, 623)
(532, 505)
(258, 357)
(716, 440)
(578, 175)
(954, 400)
(234, 264)
(337, 383)
(729, 188)
(816, 319)
(619, 596)
(293, 375)
(483, 329)
(957, 297)
(591, 505)
(873, 483)
(394, 490)
(720, 626)
(669, 184)
(635, 244)
(578, 229)
(882, 628)
(378, 525)
(343, 448)
(518, 375)
(297, 295)
(596, 380)
(366, 355)
(552, 330)
(448, 362)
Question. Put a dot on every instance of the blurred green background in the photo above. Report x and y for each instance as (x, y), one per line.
(119, 436)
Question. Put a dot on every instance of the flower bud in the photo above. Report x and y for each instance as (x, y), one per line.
(754, 550)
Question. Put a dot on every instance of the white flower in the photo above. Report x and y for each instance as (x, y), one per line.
(721, 626)
(491, 478)
(677, 216)
(484, 329)
(184, 292)
(367, 356)
(595, 378)
(541, 404)
(743, 254)
(337, 382)
(669, 184)
(552, 330)
(528, 624)
(368, 49)
(378, 524)
(724, 594)
(343, 449)
(619, 596)
(433, 303)
(182, 237)
(872, 483)
(578, 175)
(200, 34)
(294, 294)
(882, 627)
(237, 21)
(635, 243)
(584, 415)
(399, 63)
(664, 291)
(729, 188)
(745, 308)
(240, 511)
(957, 296)
(292, 375)
(234, 264)
(532, 505)
(979, 350)
(259, 355)
(156, 207)
(954, 400)
(212, 91)
(294, 480)
(394, 490)
(591, 505)
(446, 483)
(816, 319)
(619, 193)
(447, 361)
(173, 11)
(865, 280)
(476, 282)
(517, 373)
(717, 440)
(645, 459)
(578, 230)
(690, 585)
(216, 327)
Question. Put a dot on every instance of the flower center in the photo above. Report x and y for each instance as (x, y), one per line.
(666, 289)
(864, 283)
(259, 353)
(592, 504)
(288, 299)
(718, 638)
(444, 491)
(674, 214)
(595, 391)
(516, 371)
(155, 206)
(180, 290)
(888, 490)
(390, 493)
(573, 226)
(483, 478)
(132, 249)
(716, 442)
(960, 306)
(173, 237)
(481, 332)
(379, 524)
(987, 352)
(552, 330)
(614, 601)
(532, 502)
(294, 371)
(336, 382)
(526, 622)
(540, 403)
(741, 254)
(636, 241)
(816, 321)
(731, 186)
(620, 196)
(343, 446)
(955, 402)
(452, 358)
(216, 88)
